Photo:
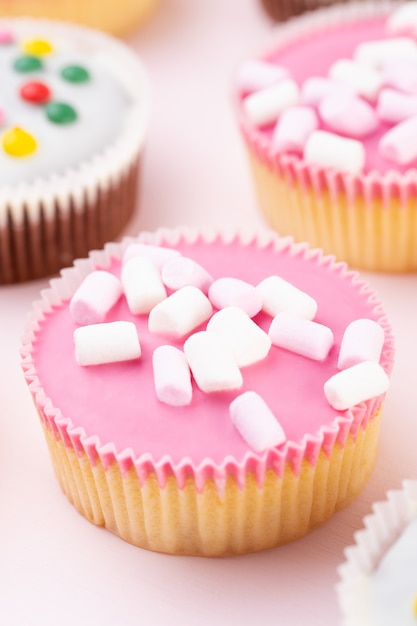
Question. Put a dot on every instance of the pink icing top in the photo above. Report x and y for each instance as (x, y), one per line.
(312, 55)
(116, 403)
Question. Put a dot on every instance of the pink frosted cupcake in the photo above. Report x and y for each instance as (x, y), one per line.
(328, 116)
(378, 584)
(180, 407)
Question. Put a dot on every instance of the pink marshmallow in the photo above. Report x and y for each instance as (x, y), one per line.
(316, 88)
(159, 255)
(348, 115)
(256, 74)
(94, 298)
(394, 106)
(301, 336)
(401, 74)
(172, 376)
(181, 271)
(293, 129)
(265, 106)
(399, 144)
(226, 291)
(362, 340)
(6, 36)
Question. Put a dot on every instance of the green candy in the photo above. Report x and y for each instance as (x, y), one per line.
(60, 113)
(28, 63)
(75, 74)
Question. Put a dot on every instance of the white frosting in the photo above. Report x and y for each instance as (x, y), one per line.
(102, 105)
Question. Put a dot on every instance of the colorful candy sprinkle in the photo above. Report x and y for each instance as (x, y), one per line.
(6, 36)
(75, 74)
(28, 63)
(35, 92)
(60, 113)
(37, 47)
(18, 143)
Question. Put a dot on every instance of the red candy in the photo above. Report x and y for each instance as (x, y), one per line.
(35, 92)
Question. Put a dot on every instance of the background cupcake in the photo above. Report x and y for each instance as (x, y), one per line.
(74, 114)
(323, 137)
(179, 466)
(378, 582)
(116, 18)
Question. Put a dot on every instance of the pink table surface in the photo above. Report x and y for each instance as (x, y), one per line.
(55, 567)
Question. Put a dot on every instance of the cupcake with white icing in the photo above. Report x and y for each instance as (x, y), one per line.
(328, 114)
(378, 584)
(74, 114)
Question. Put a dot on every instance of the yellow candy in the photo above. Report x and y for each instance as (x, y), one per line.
(37, 47)
(415, 605)
(18, 143)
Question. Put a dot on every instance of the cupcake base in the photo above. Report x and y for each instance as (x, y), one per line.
(365, 232)
(214, 522)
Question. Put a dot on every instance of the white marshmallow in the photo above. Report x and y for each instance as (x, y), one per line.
(316, 88)
(395, 107)
(142, 285)
(403, 19)
(158, 254)
(301, 336)
(227, 291)
(212, 362)
(348, 115)
(264, 107)
(181, 271)
(248, 342)
(255, 422)
(401, 75)
(110, 342)
(376, 53)
(356, 384)
(362, 340)
(364, 80)
(399, 144)
(172, 376)
(278, 296)
(180, 313)
(254, 75)
(293, 129)
(339, 153)
(94, 298)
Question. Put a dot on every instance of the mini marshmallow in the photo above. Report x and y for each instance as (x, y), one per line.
(255, 75)
(376, 53)
(94, 298)
(301, 336)
(348, 115)
(362, 340)
(394, 107)
(227, 291)
(315, 88)
(403, 19)
(180, 313)
(255, 422)
(264, 107)
(110, 342)
(181, 271)
(278, 296)
(364, 80)
(158, 254)
(401, 75)
(142, 285)
(399, 144)
(172, 376)
(356, 384)
(293, 129)
(212, 363)
(248, 342)
(340, 153)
